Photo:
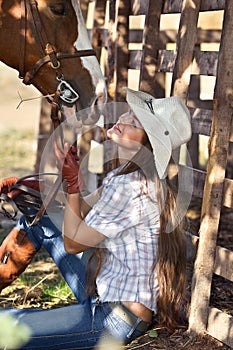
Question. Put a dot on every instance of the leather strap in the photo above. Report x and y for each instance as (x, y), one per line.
(60, 56)
(55, 188)
(22, 39)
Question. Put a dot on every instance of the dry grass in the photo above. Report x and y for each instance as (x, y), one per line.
(17, 152)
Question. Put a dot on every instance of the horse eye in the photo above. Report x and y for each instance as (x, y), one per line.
(58, 9)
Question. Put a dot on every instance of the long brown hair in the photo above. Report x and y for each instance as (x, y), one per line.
(171, 258)
(171, 261)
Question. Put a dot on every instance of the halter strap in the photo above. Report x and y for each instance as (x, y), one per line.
(30, 14)
(22, 39)
(59, 56)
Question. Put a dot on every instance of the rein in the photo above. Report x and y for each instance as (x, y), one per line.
(55, 188)
(30, 14)
(30, 202)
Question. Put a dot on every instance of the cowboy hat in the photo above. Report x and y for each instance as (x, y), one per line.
(166, 121)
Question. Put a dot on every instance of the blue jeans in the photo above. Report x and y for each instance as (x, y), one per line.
(78, 326)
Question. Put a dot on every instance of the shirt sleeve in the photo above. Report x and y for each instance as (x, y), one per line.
(118, 207)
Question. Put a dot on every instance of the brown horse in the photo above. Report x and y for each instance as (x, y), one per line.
(47, 42)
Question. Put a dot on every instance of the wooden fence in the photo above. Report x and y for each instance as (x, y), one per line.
(181, 53)
(174, 61)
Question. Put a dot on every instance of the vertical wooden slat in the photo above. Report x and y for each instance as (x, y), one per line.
(139, 7)
(149, 81)
(213, 191)
(110, 68)
(44, 132)
(99, 18)
(84, 7)
(187, 37)
(193, 145)
(172, 6)
(121, 48)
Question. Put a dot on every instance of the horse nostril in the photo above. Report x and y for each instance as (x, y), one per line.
(95, 101)
(90, 116)
(100, 101)
(95, 109)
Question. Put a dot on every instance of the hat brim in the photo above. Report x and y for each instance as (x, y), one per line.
(158, 137)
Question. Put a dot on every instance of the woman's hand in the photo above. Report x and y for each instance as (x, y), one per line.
(67, 163)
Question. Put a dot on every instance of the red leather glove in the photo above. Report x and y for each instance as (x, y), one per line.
(7, 183)
(67, 163)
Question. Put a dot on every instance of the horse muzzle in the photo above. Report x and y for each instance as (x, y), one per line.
(91, 115)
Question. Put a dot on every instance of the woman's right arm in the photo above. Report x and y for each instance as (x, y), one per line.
(87, 202)
(78, 236)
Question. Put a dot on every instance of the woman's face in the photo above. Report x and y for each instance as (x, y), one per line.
(127, 132)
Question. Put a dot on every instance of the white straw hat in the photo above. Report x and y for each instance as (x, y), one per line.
(166, 121)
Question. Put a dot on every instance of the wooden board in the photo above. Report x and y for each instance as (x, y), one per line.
(220, 326)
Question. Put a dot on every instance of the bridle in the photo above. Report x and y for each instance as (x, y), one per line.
(30, 16)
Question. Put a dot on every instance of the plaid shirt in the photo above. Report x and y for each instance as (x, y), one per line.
(127, 214)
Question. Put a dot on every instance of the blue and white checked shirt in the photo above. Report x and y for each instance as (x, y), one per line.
(127, 214)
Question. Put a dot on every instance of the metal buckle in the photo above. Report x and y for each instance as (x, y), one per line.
(7, 207)
(67, 93)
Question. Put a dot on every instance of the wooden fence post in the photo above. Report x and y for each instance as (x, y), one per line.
(121, 48)
(44, 133)
(110, 67)
(149, 63)
(214, 184)
(187, 38)
(99, 18)
(84, 7)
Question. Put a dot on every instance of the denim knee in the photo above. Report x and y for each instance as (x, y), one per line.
(37, 233)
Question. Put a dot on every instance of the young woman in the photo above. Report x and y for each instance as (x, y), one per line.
(137, 263)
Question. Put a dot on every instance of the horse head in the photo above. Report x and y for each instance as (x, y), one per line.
(47, 42)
